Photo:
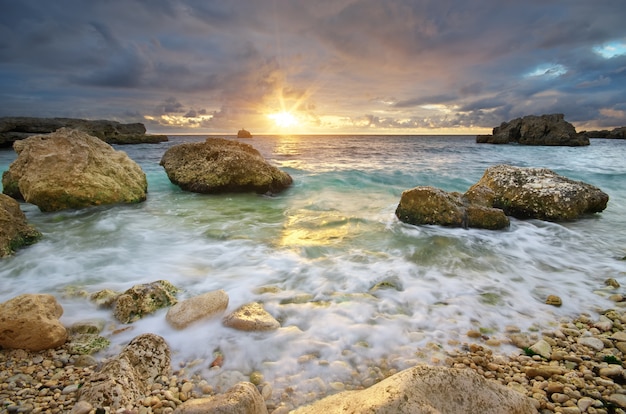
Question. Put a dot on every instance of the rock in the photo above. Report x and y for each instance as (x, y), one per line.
(15, 232)
(429, 205)
(545, 371)
(539, 193)
(542, 348)
(221, 166)
(612, 283)
(112, 132)
(554, 300)
(198, 307)
(144, 299)
(251, 317)
(31, 322)
(616, 133)
(128, 377)
(536, 130)
(591, 342)
(70, 169)
(425, 389)
(242, 133)
(241, 398)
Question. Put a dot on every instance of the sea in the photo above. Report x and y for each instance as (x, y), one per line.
(353, 288)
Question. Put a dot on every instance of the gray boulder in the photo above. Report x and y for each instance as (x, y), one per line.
(15, 232)
(427, 390)
(222, 166)
(536, 193)
(71, 169)
(16, 128)
(550, 130)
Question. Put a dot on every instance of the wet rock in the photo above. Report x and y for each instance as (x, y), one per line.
(545, 371)
(554, 300)
(241, 398)
(198, 307)
(70, 169)
(144, 299)
(540, 193)
(542, 348)
(15, 232)
(591, 342)
(549, 130)
(31, 322)
(251, 317)
(222, 166)
(128, 377)
(424, 389)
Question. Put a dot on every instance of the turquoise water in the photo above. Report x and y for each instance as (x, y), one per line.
(317, 250)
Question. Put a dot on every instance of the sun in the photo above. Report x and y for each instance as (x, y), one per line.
(284, 119)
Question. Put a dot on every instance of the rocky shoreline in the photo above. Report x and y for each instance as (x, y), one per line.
(576, 366)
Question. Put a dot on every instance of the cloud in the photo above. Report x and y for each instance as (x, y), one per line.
(341, 65)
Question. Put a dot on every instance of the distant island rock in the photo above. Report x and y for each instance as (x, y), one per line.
(617, 133)
(550, 130)
(242, 133)
(112, 132)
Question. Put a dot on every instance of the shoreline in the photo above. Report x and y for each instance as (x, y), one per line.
(581, 371)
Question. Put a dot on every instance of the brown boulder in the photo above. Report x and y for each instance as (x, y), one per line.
(549, 129)
(538, 193)
(221, 166)
(251, 317)
(206, 305)
(31, 321)
(70, 169)
(15, 232)
(427, 390)
(128, 377)
(242, 398)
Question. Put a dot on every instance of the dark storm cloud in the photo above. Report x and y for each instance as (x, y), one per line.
(439, 63)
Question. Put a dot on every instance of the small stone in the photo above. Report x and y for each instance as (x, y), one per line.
(616, 298)
(570, 410)
(584, 403)
(81, 407)
(611, 371)
(559, 398)
(554, 300)
(591, 342)
(545, 371)
(474, 334)
(542, 348)
(612, 283)
(618, 399)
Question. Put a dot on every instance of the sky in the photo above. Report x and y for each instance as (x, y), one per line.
(318, 67)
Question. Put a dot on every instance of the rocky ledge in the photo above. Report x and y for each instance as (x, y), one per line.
(16, 128)
(617, 133)
(549, 130)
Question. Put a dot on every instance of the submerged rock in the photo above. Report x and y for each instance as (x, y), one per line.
(70, 169)
(251, 317)
(15, 232)
(425, 389)
(222, 166)
(31, 322)
(144, 299)
(243, 397)
(206, 305)
(536, 130)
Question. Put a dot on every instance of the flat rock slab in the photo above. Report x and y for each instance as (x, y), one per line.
(203, 306)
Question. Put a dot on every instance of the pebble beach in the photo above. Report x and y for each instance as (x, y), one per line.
(574, 367)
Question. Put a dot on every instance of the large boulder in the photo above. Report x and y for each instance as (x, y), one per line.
(71, 169)
(15, 231)
(221, 166)
(112, 132)
(429, 205)
(203, 306)
(427, 390)
(537, 193)
(128, 377)
(242, 398)
(536, 130)
(31, 322)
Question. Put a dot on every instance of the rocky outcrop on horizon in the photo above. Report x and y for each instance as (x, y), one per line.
(219, 166)
(549, 130)
(616, 133)
(504, 190)
(112, 132)
(70, 169)
(15, 232)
